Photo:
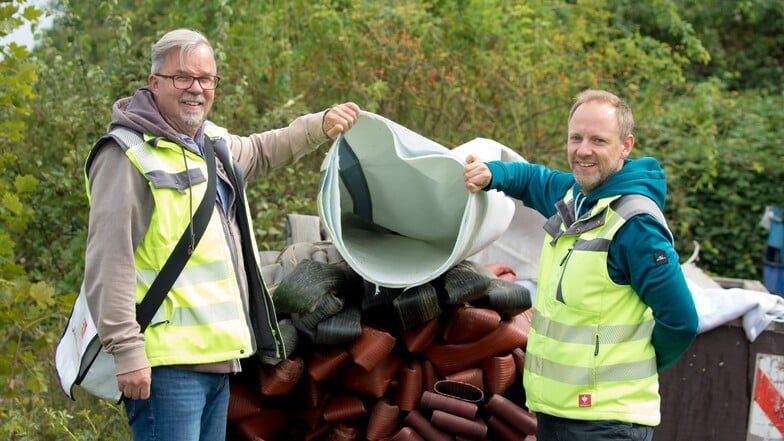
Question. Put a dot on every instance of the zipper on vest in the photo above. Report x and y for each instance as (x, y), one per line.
(596, 351)
(558, 292)
(566, 257)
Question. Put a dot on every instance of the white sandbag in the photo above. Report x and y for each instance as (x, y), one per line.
(395, 205)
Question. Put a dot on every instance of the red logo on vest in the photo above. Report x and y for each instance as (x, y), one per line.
(584, 400)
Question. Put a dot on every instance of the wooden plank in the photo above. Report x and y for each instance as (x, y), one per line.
(705, 396)
(753, 285)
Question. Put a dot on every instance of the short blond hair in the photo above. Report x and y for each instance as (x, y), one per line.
(625, 115)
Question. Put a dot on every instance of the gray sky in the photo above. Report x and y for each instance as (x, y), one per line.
(23, 35)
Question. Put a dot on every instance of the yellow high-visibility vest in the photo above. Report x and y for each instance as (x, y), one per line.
(204, 318)
(589, 354)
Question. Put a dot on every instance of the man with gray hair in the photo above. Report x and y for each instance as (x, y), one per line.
(612, 307)
(144, 195)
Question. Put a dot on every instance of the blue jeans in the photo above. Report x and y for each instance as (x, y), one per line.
(551, 428)
(183, 406)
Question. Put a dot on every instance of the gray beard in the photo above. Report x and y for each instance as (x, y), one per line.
(192, 119)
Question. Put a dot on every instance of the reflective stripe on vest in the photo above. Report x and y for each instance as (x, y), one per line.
(587, 335)
(598, 331)
(582, 376)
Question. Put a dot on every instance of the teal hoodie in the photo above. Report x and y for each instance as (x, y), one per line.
(634, 256)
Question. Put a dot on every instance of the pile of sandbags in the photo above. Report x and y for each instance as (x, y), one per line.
(441, 361)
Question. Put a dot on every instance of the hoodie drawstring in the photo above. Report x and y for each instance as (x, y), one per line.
(579, 199)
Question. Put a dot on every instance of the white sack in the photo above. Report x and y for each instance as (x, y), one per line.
(395, 205)
(717, 306)
(521, 244)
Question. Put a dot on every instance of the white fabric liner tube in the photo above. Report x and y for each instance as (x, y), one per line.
(396, 208)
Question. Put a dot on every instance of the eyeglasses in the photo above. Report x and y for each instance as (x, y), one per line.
(184, 82)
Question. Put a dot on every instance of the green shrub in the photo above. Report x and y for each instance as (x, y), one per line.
(724, 167)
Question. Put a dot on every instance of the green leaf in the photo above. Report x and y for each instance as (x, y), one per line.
(42, 294)
(26, 183)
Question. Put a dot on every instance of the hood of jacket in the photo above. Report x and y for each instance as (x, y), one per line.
(642, 176)
(140, 113)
